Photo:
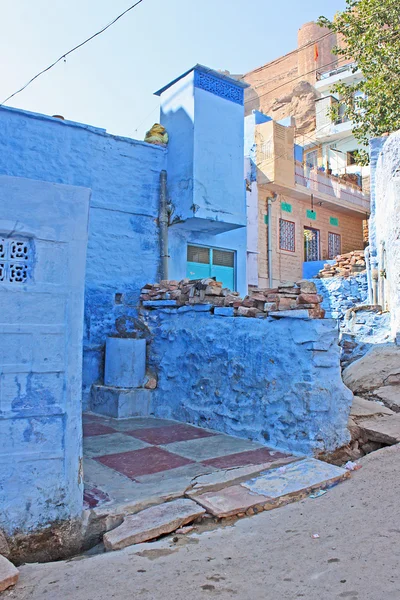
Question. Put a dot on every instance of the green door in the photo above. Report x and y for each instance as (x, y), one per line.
(205, 262)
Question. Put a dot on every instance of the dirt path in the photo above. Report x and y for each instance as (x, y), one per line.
(271, 556)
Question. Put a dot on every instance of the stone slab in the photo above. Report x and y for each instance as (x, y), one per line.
(291, 314)
(219, 479)
(385, 430)
(152, 522)
(297, 479)
(230, 501)
(367, 408)
(8, 574)
(390, 394)
(120, 403)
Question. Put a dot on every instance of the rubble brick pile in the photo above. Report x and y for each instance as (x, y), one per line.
(346, 265)
(288, 296)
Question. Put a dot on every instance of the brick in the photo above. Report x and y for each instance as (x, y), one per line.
(309, 299)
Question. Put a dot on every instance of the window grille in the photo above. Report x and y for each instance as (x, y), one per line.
(334, 245)
(287, 240)
(223, 259)
(15, 260)
(198, 254)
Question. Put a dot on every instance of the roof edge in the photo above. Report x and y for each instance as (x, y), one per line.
(203, 69)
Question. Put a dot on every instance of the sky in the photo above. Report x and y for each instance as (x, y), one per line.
(110, 82)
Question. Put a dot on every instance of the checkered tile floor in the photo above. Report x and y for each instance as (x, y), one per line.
(128, 457)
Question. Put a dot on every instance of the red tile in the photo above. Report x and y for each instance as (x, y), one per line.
(169, 434)
(251, 457)
(143, 462)
(92, 497)
(90, 429)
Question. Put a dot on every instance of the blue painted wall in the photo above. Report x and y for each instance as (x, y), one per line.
(274, 381)
(123, 174)
(205, 168)
(41, 329)
(312, 267)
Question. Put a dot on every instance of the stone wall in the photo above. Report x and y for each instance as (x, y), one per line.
(386, 227)
(339, 294)
(273, 380)
(123, 245)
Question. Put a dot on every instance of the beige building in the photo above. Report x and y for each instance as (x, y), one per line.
(307, 199)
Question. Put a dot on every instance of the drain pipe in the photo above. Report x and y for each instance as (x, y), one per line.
(368, 267)
(269, 213)
(382, 276)
(163, 224)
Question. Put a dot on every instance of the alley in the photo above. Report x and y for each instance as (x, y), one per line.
(268, 556)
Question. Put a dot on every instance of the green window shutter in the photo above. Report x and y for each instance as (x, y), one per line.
(311, 214)
(285, 206)
(334, 221)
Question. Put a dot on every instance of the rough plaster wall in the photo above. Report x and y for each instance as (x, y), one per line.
(274, 381)
(341, 293)
(387, 223)
(123, 174)
(41, 328)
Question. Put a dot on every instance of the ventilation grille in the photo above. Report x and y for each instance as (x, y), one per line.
(223, 259)
(198, 255)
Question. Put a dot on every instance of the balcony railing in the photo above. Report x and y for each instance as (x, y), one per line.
(330, 185)
(325, 74)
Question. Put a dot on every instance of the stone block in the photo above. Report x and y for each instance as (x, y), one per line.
(158, 303)
(291, 314)
(385, 430)
(120, 403)
(307, 287)
(125, 363)
(152, 522)
(309, 299)
(8, 574)
(224, 311)
(287, 303)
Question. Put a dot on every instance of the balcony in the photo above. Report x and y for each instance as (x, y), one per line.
(323, 185)
(326, 128)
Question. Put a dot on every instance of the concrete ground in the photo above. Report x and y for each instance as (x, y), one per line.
(270, 556)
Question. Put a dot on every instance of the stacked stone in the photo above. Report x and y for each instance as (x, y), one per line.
(345, 265)
(288, 296)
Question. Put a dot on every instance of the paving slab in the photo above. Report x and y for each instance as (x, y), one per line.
(302, 476)
(145, 461)
(152, 523)
(367, 408)
(273, 488)
(219, 479)
(231, 501)
(8, 574)
(385, 430)
(241, 459)
(178, 432)
(100, 445)
(211, 447)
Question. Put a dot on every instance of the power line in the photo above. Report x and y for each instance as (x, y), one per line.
(72, 50)
(290, 81)
(282, 58)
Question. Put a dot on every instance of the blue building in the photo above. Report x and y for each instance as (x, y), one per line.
(39, 156)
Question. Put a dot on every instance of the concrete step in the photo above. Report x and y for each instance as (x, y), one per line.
(367, 408)
(8, 574)
(152, 522)
(272, 488)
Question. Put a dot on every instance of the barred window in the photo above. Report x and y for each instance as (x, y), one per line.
(334, 245)
(15, 259)
(287, 231)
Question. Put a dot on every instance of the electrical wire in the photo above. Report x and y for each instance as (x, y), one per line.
(282, 58)
(290, 81)
(71, 51)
